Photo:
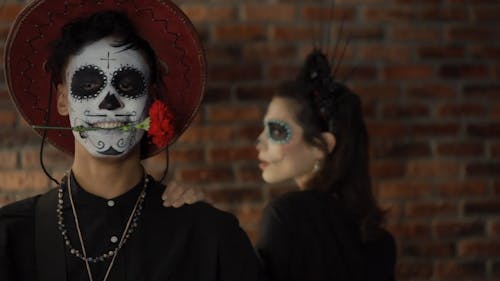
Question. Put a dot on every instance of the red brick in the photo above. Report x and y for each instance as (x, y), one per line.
(441, 52)
(462, 270)
(375, 91)
(394, 149)
(482, 91)
(223, 53)
(232, 113)
(444, 14)
(204, 13)
(434, 130)
(255, 92)
(408, 72)
(239, 31)
(431, 209)
(486, 52)
(191, 155)
(387, 169)
(231, 154)
(433, 168)
(269, 12)
(247, 132)
(464, 71)
(8, 159)
(494, 229)
(483, 14)
(454, 229)
(482, 207)
(410, 230)
(247, 174)
(267, 51)
(393, 212)
(30, 158)
(364, 32)
(234, 72)
(479, 248)
(384, 52)
(414, 34)
(7, 118)
(200, 134)
(387, 129)
(388, 14)
(484, 130)
(428, 250)
(414, 270)
(282, 71)
(347, 72)
(461, 110)
(403, 190)
(23, 180)
(293, 33)
(217, 94)
(495, 111)
(327, 14)
(462, 189)
(18, 138)
(460, 149)
(204, 175)
(405, 110)
(469, 33)
(433, 91)
(10, 11)
(235, 195)
(495, 150)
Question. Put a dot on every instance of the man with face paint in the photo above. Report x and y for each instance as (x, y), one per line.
(105, 220)
(108, 88)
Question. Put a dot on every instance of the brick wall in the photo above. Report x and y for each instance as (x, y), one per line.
(427, 72)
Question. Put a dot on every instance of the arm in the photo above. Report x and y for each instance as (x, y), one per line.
(176, 195)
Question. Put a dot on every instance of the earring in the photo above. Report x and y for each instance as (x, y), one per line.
(317, 166)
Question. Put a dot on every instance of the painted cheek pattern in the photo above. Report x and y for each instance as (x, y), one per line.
(278, 131)
(129, 82)
(87, 82)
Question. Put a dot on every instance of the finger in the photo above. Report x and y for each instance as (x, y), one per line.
(171, 185)
(175, 193)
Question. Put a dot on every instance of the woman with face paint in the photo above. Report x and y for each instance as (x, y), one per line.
(331, 228)
(105, 221)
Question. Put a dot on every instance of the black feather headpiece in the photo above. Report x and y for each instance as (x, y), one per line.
(318, 77)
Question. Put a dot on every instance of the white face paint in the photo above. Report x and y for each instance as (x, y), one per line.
(108, 88)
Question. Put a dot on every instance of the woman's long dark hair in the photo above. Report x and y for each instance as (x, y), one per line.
(345, 171)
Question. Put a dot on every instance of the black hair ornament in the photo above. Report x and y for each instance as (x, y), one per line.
(317, 74)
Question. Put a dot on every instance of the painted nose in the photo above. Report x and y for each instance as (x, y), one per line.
(110, 102)
(259, 142)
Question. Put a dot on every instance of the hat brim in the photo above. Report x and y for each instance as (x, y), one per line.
(167, 29)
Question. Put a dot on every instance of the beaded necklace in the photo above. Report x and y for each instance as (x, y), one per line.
(129, 229)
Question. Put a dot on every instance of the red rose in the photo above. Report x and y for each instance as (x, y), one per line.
(161, 127)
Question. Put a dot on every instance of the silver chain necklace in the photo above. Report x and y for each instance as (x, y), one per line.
(129, 228)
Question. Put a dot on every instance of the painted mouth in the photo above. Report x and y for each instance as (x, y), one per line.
(107, 125)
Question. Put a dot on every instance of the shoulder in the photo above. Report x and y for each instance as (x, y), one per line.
(199, 213)
(21, 209)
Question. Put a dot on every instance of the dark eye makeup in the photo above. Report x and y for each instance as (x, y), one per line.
(278, 131)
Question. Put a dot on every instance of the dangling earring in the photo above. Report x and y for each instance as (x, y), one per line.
(317, 166)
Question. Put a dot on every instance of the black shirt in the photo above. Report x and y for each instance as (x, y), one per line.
(306, 236)
(194, 242)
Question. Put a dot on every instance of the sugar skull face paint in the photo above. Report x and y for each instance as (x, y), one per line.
(283, 153)
(278, 131)
(108, 88)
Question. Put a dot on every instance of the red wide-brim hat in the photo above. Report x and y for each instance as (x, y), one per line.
(160, 22)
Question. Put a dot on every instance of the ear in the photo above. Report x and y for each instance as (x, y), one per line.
(330, 140)
(62, 99)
